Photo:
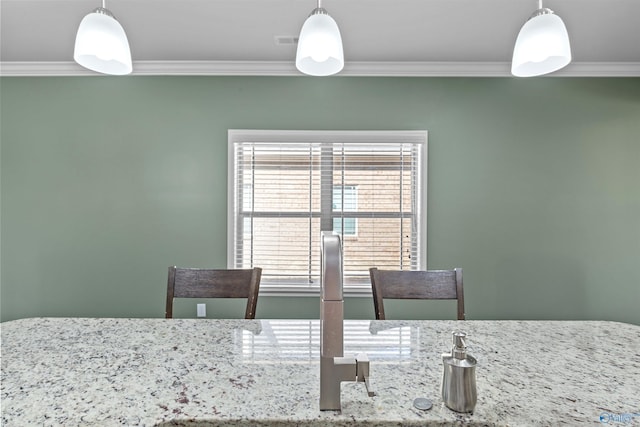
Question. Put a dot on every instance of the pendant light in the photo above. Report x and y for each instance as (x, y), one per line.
(542, 45)
(101, 44)
(319, 45)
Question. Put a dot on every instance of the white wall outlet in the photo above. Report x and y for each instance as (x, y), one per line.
(202, 310)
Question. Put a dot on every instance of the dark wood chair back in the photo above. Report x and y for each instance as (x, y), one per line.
(208, 283)
(430, 284)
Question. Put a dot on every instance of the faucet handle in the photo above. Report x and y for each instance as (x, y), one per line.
(362, 373)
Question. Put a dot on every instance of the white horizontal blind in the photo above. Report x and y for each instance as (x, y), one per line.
(286, 190)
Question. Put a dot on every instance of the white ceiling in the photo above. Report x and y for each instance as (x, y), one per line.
(238, 36)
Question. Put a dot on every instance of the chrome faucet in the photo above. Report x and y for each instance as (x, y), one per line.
(334, 367)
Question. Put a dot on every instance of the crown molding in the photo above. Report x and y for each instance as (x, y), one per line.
(286, 68)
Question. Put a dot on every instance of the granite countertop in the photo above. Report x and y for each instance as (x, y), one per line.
(156, 372)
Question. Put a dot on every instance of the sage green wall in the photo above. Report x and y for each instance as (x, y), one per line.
(534, 187)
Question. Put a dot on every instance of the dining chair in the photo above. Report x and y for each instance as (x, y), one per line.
(210, 283)
(429, 284)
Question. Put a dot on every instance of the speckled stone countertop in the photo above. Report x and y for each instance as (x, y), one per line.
(157, 372)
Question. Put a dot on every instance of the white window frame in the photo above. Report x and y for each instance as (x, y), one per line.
(315, 136)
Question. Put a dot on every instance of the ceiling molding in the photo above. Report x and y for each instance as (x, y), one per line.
(286, 68)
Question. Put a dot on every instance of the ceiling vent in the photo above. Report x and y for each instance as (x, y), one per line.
(286, 40)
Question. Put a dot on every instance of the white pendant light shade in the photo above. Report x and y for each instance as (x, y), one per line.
(102, 45)
(319, 45)
(542, 45)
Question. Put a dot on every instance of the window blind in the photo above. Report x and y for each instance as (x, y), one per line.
(286, 191)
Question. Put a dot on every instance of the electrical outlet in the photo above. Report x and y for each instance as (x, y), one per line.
(202, 310)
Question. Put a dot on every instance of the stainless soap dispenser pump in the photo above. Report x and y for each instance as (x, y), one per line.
(459, 377)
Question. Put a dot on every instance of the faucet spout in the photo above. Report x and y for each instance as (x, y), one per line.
(334, 367)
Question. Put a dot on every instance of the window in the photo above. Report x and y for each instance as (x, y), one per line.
(287, 186)
(345, 198)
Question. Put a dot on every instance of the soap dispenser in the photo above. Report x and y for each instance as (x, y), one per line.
(459, 377)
